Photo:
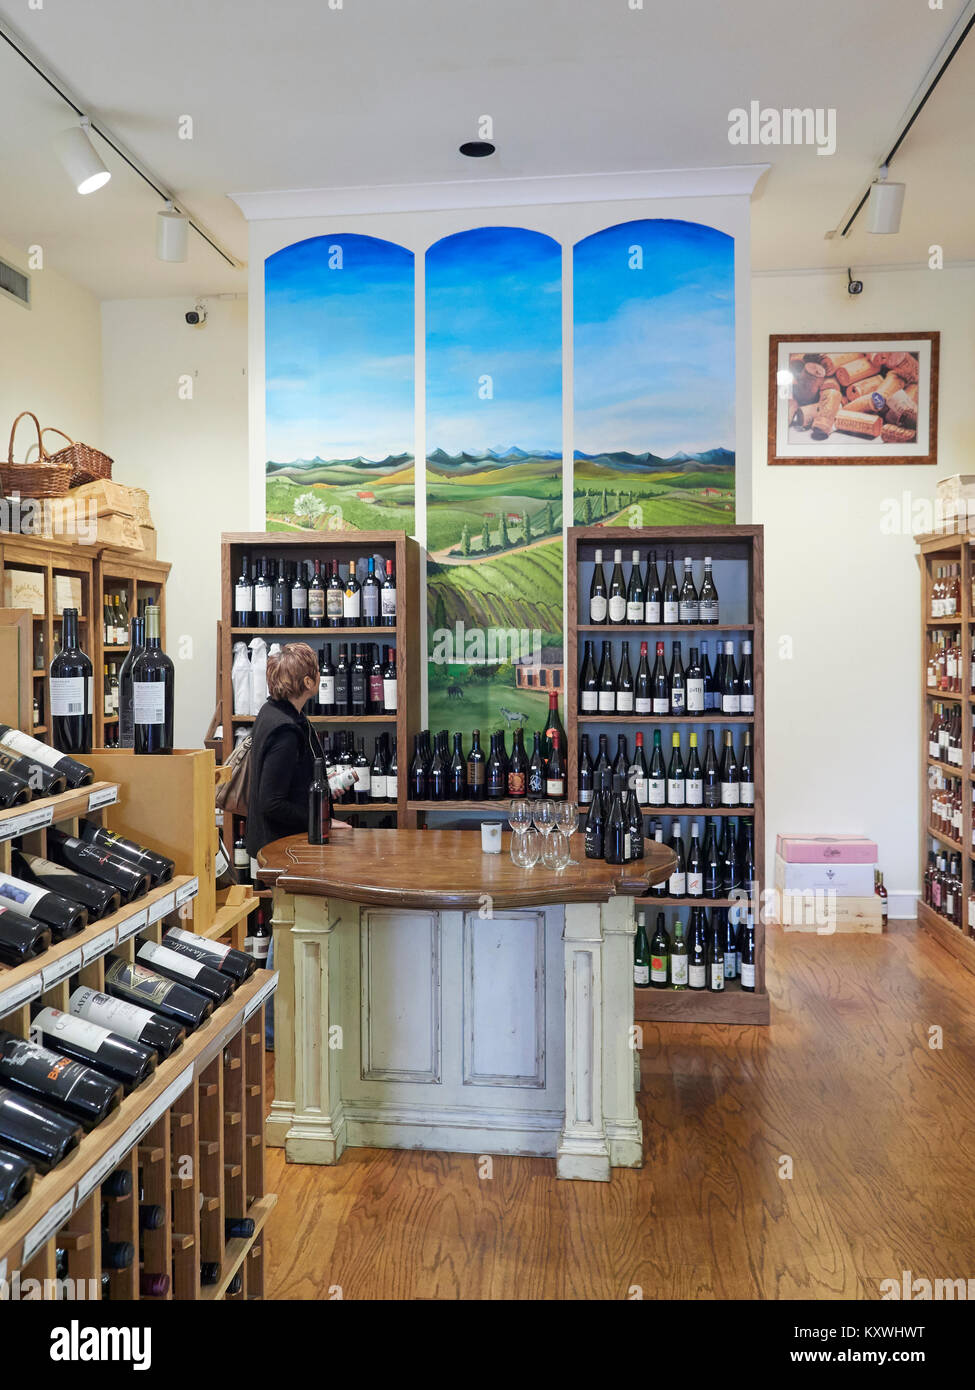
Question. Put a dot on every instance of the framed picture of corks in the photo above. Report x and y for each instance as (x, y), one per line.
(853, 398)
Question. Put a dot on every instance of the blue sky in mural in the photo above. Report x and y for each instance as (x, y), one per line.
(339, 344)
(654, 348)
(494, 307)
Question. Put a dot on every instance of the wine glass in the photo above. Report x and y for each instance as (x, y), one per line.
(526, 846)
(520, 815)
(543, 814)
(555, 853)
(567, 820)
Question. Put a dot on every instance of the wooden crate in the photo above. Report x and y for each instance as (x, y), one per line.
(16, 668)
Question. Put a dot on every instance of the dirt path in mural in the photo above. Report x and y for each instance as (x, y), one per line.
(444, 557)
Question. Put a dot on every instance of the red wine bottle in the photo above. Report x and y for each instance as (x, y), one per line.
(173, 966)
(319, 806)
(35, 1131)
(138, 985)
(153, 676)
(128, 1020)
(147, 861)
(14, 791)
(116, 1056)
(98, 863)
(151, 1216)
(70, 691)
(238, 1228)
(40, 780)
(64, 917)
(20, 938)
(71, 1088)
(237, 964)
(98, 899)
(153, 1285)
(16, 1179)
(74, 773)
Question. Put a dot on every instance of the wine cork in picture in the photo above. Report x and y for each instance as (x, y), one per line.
(858, 370)
(832, 360)
(904, 364)
(857, 422)
(809, 383)
(863, 388)
(902, 410)
(891, 383)
(831, 384)
(897, 434)
(879, 360)
(867, 403)
(829, 404)
(803, 416)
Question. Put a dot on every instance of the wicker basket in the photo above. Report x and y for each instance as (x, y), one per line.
(45, 478)
(87, 465)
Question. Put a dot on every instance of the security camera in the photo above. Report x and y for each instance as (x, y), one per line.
(197, 316)
(853, 286)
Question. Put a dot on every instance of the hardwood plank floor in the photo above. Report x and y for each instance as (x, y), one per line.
(878, 1126)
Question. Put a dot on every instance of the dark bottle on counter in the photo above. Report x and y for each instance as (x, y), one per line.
(496, 789)
(596, 824)
(517, 776)
(536, 769)
(585, 788)
(616, 837)
(319, 806)
(418, 773)
(476, 769)
(457, 772)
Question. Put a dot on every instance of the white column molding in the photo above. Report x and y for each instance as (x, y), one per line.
(280, 1119)
(317, 1133)
(583, 1149)
(624, 1129)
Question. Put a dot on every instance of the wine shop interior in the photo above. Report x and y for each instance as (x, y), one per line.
(487, 652)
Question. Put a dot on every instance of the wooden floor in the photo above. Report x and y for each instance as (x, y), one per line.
(878, 1128)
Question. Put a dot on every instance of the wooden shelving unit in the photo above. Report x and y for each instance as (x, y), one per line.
(934, 551)
(737, 553)
(341, 546)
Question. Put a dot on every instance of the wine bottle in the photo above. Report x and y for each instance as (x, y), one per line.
(652, 591)
(116, 1056)
(130, 1021)
(238, 1227)
(678, 958)
(715, 956)
(607, 682)
(616, 836)
(638, 773)
(677, 883)
(126, 708)
(370, 596)
(555, 771)
(236, 964)
(634, 593)
(517, 773)
(496, 788)
(624, 683)
(352, 599)
(621, 763)
(341, 705)
(617, 590)
(418, 771)
(137, 985)
(730, 788)
(746, 680)
(147, 861)
(358, 689)
(676, 681)
(390, 689)
(97, 862)
(152, 1217)
(688, 604)
(16, 1179)
(670, 603)
(74, 773)
(708, 597)
(730, 683)
(693, 777)
(64, 917)
(333, 595)
(676, 776)
(316, 597)
(71, 684)
(641, 953)
(697, 950)
(729, 931)
(14, 791)
(710, 774)
(588, 682)
(35, 1131)
(747, 965)
(299, 597)
(584, 788)
(378, 788)
(659, 955)
(634, 821)
(457, 772)
(711, 700)
(711, 864)
(659, 684)
(153, 678)
(536, 769)
(377, 702)
(596, 820)
(261, 939)
(695, 865)
(746, 774)
(21, 938)
(695, 684)
(598, 594)
(387, 598)
(38, 779)
(363, 770)
(70, 1088)
(243, 596)
(656, 774)
(280, 598)
(174, 966)
(476, 767)
(658, 890)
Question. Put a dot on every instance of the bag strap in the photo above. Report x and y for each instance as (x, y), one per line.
(42, 456)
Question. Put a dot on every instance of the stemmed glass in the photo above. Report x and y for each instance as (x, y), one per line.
(567, 819)
(520, 815)
(543, 814)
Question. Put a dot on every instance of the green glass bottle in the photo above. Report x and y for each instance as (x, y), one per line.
(659, 955)
(641, 953)
(678, 958)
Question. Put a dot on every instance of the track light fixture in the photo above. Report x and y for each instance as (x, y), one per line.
(884, 207)
(172, 234)
(80, 158)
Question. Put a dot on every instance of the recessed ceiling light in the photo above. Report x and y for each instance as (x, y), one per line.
(80, 159)
(477, 149)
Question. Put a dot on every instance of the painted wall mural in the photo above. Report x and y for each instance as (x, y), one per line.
(654, 375)
(494, 477)
(339, 385)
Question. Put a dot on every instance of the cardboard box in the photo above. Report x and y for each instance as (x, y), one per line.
(67, 592)
(16, 668)
(826, 849)
(24, 589)
(846, 880)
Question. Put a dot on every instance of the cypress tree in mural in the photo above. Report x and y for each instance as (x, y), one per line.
(465, 540)
(549, 518)
(486, 538)
(526, 526)
(504, 532)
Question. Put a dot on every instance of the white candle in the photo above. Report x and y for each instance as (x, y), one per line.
(490, 837)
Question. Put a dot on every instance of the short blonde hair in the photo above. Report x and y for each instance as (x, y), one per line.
(288, 670)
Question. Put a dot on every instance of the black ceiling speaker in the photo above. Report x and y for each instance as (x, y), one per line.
(477, 149)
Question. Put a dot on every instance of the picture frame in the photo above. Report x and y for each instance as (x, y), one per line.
(821, 384)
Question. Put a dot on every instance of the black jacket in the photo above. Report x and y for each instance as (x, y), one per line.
(282, 760)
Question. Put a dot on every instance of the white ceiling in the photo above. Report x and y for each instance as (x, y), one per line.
(297, 94)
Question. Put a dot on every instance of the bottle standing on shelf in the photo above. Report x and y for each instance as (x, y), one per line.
(496, 789)
(319, 806)
(693, 776)
(588, 682)
(659, 955)
(358, 685)
(676, 777)
(299, 597)
(342, 684)
(677, 883)
(659, 684)
(261, 939)
(697, 950)
(70, 1088)
(34, 1131)
(881, 892)
(616, 836)
(695, 865)
(607, 682)
(746, 773)
(694, 700)
(71, 683)
(634, 593)
(711, 774)
(642, 687)
(536, 768)
(711, 700)
(652, 591)
(730, 782)
(656, 774)
(553, 725)
(21, 938)
(688, 606)
(387, 598)
(243, 596)
(131, 1021)
(126, 728)
(352, 599)
(641, 950)
(656, 831)
(325, 704)
(517, 773)
(153, 678)
(746, 680)
(390, 702)
(747, 947)
(106, 692)
(638, 773)
(280, 599)
(598, 593)
(678, 958)
(716, 975)
(316, 597)
(555, 770)
(126, 1061)
(113, 687)
(334, 597)
(730, 683)
(676, 681)
(624, 683)
(617, 590)
(457, 772)
(378, 788)
(476, 769)
(708, 597)
(64, 916)
(418, 771)
(670, 603)
(711, 863)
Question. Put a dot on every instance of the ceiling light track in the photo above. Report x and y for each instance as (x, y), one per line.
(21, 50)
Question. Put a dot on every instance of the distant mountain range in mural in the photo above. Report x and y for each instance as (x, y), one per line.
(501, 458)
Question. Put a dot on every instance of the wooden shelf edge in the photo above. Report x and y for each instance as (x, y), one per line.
(701, 1006)
(228, 915)
(65, 806)
(952, 938)
(236, 1249)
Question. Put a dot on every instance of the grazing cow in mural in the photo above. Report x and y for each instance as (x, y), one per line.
(455, 692)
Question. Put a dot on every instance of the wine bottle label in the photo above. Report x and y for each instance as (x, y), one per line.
(708, 610)
(641, 974)
(24, 897)
(73, 1030)
(299, 598)
(316, 603)
(642, 705)
(717, 974)
(658, 969)
(697, 976)
(342, 688)
(149, 702)
(730, 964)
(585, 793)
(370, 601)
(554, 786)
(244, 598)
(326, 690)
(116, 1015)
(376, 694)
(212, 948)
(262, 599)
(677, 701)
(364, 783)
(640, 785)
(675, 791)
(653, 612)
(670, 612)
(351, 603)
(516, 786)
(67, 696)
(358, 687)
(747, 704)
(597, 609)
(30, 748)
(695, 885)
(377, 787)
(746, 793)
(660, 705)
(40, 1064)
(634, 612)
(656, 791)
(607, 701)
(678, 970)
(624, 701)
(334, 602)
(588, 701)
(730, 794)
(688, 611)
(677, 885)
(388, 603)
(730, 704)
(617, 609)
(261, 945)
(169, 960)
(695, 696)
(389, 694)
(747, 975)
(627, 847)
(693, 792)
(475, 774)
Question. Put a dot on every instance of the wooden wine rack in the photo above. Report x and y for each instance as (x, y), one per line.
(934, 550)
(195, 1128)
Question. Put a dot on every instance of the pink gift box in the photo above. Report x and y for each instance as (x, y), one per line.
(826, 849)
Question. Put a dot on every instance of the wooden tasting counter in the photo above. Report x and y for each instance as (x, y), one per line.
(432, 996)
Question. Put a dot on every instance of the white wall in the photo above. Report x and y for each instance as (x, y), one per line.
(50, 360)
(843, 713)
(191, 456)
